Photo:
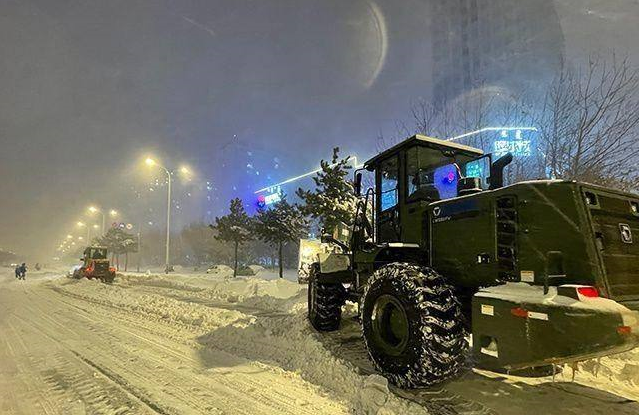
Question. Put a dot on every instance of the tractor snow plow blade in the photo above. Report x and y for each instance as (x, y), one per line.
(517, 326)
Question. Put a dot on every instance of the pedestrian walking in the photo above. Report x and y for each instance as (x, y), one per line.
(23, 271)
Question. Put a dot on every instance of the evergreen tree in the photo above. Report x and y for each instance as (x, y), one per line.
(279, 225)
(119, 242)
(234, 227)
(333, 200)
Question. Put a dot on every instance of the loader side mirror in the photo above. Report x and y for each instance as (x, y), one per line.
(357, 185)
(497, 171)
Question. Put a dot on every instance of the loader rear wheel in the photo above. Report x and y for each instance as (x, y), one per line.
(413, 325)
(325, 301)
(109, 278)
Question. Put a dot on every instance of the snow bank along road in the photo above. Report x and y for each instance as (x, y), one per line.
(189, 344)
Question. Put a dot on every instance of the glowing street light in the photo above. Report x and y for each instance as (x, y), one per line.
(94, 210)
(81, 224)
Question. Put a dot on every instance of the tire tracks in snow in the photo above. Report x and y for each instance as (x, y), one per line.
(344, 344)
(264, 394)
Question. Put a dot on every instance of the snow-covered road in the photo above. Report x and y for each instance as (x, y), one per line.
(189, 344)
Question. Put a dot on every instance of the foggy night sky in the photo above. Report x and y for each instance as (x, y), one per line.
(87, 88)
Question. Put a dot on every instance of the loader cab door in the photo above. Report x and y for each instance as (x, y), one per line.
(387, 196)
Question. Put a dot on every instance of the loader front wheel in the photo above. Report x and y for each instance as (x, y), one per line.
(325, 301)
(413, 325)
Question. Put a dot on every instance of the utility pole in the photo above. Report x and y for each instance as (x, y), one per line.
(139, 245)
(168, 223)
(150, 162)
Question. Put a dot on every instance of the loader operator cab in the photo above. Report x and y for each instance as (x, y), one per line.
(94, 252)
(417, 172)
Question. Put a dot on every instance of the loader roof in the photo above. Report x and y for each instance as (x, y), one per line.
(424, 141)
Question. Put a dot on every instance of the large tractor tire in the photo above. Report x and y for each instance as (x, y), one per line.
(413, 325)
(109, 278)
(325, 301)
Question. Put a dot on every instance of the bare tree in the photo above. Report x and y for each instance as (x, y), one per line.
(589, 123)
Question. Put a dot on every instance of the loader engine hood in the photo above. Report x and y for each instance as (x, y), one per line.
(540, 232)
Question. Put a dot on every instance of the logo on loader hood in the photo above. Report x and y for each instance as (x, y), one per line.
(436, 211)
(626, 233)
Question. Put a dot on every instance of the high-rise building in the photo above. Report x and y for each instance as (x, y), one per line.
(512, 44)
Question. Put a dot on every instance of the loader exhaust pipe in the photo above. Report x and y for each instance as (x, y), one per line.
(497, 171)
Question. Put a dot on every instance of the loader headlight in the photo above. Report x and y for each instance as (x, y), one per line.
(634, 206)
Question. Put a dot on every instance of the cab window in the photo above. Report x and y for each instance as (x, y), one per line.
(424, 180)
(98, 254)
(389, 172)
(388, 229)
(432, 177)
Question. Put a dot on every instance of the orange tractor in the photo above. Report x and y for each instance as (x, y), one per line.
(95, 265)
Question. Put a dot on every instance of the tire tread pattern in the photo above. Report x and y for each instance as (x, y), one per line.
(325, 312)
(437, 344)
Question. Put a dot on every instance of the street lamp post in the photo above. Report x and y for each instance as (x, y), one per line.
(150, 162)
(82, 225)
(94, 209)
(139, 244)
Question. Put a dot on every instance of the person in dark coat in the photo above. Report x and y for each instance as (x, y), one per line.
(23, 271)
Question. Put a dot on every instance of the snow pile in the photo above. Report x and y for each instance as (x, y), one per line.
(234, 289)
(197, 316)
(616, 373)
(289, 342)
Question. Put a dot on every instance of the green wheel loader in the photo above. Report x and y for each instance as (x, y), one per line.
(540, 272)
